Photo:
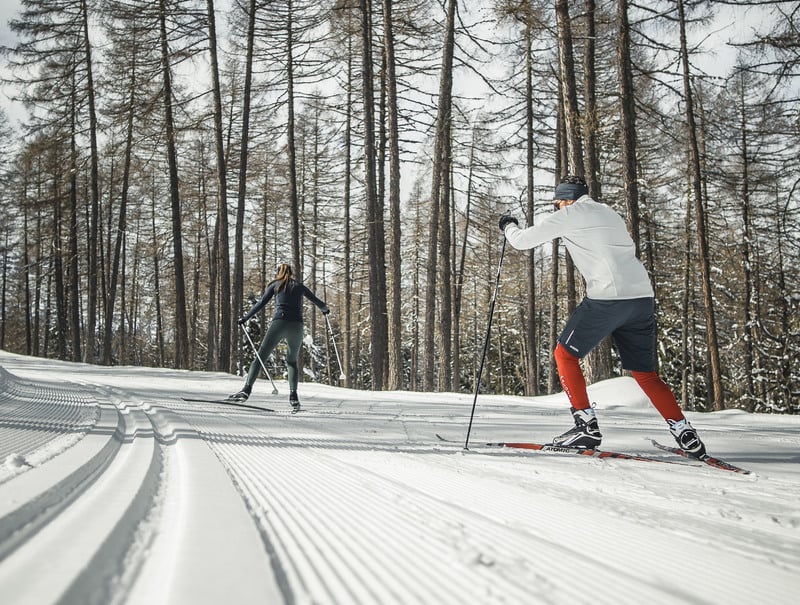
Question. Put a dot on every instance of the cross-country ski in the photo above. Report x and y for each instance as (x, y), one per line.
(549, 448)
(229, 402)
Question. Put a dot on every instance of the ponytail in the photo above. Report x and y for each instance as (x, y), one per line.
(283, 277)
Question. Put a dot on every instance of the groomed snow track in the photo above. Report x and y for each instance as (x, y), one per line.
(113, 490)
(87, 509)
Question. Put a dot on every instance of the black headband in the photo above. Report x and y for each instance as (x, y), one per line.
(570, 191)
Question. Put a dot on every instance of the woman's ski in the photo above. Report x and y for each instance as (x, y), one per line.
(237, 404)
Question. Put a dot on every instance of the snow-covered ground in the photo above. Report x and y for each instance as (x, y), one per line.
(115, 490)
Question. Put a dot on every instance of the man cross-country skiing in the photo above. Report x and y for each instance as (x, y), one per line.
(619, 302)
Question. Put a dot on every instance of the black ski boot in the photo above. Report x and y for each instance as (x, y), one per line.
(687, 438)
(585, 434)
(242, 395)
(294, 401)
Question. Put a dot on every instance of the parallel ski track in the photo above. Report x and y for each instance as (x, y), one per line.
(319, 529)
(289, 483)
(138, 510)
(106, 480)
(536, 534)
(34, 417)
(686, 482)
(333, 547)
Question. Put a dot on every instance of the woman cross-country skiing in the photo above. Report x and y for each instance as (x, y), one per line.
(287, 324)
(619, 302)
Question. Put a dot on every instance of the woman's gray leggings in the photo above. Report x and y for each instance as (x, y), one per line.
(279, 329)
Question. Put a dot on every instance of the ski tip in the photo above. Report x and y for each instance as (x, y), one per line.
(706, 459)
(712, 461)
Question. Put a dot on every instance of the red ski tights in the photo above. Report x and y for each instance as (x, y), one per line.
(574, 384)
(659, 394)
(571, 377)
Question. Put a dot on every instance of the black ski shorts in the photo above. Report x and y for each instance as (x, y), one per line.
(630, 323)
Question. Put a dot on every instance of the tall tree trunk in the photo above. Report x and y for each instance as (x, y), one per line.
(213, 279)
(37, 297)
(181, 327)
(74, 278)
(315, 222)
(347, 346)
(294, 200)
(157, 287)
(4, 286)
(91, 311)
(26, 275)
(444, 323)
(627, 106)
(686, 299)
(440, 180)
(395, 259)
(108, 334)
(700, 221)
(460, 268)
(590, 120)
(123, 292)
(747, 242)
(787, 355)
(532, 356)
(194, 306)
(375, 240)
(39, 262)
(238, 263)
(566, 62)
(416, 346)
(58, 273)
(226, 323)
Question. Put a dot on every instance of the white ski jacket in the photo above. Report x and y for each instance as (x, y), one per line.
(598, 241)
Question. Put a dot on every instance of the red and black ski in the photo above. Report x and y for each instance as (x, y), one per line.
(709, 460)
(558, 449)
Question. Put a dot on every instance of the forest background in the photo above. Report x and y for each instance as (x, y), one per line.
(162, 157)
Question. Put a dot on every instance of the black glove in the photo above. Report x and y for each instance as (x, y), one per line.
(241, 321)
(506, 220)
(325, 310)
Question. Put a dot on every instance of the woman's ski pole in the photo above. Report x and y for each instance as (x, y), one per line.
(333, 340)
(263, 367)
(485, 342)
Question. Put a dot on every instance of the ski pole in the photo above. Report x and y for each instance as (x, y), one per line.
(263, 367)
(486, 342)
(333, 340)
